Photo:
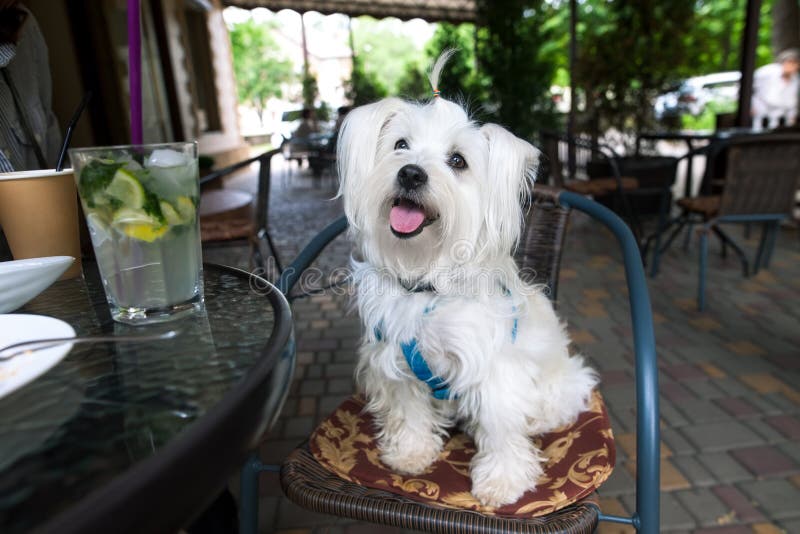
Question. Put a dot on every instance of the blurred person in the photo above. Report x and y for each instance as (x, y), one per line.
(775, 90)
(29, 133)
(307, 125)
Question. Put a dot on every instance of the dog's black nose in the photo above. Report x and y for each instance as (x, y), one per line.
(411, 176)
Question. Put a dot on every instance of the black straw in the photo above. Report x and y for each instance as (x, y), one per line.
(71, 126)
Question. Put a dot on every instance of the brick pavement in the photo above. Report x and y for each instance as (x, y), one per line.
(730, 377)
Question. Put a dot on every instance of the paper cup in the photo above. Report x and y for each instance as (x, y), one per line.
(39, 215)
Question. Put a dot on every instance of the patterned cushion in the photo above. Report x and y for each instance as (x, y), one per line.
(581, 457)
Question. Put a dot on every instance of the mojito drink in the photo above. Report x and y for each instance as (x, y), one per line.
(141, 209)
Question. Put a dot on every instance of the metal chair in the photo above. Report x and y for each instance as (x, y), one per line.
(236, 219)
(762, 175)
(571, 162)
(308, 485)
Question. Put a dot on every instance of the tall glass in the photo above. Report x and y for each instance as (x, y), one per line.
(140, 203)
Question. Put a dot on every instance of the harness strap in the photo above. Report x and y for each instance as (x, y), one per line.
(439, 388)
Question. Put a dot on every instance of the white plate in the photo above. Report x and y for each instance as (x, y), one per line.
(15, 328)
(21, 280)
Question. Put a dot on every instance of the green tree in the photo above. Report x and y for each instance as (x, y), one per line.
(363, 88)
(260, 70)
(516, 64)
(459, 79)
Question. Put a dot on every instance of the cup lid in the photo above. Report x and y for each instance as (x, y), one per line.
(40, 173)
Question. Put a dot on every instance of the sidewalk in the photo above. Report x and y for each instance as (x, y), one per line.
(730, 377)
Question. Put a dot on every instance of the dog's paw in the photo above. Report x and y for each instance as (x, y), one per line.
(495, 484)
(410, 458)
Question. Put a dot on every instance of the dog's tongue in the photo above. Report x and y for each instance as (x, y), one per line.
(406, 217)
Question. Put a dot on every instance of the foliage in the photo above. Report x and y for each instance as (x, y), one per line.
(383, 51)
(516, 62)
(459, 80)
(260, 70)
(310, 89)
(621, 87)
(363, 88)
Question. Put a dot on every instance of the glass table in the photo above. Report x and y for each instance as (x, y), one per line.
(140, 437)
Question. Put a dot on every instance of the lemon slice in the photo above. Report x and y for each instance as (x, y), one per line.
(138, 224)
(170, 214)
(127, 189)
(144, 232)
(186, 208)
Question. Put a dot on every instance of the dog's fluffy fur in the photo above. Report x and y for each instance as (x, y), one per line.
(494, 339)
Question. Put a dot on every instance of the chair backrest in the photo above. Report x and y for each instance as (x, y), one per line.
(264, 182)
(762, 175)
(556, 148)
(538, 254)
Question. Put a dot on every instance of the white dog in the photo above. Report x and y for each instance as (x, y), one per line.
(452, 333)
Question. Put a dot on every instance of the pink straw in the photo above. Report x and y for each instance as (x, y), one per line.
(135, 70)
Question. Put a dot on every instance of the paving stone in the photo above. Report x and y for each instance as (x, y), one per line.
(675, 392)
(341, 385)
(676, 442)
(777, 497)
(742, 506)
(298, 427)
(790, 449)
(704, 506)
(313, 371)
(671, 414)
(702, 411)
(673, 515)
(737, 407)
(619, 483)
(765, 460)
(723, 467)
(764, 430)
(704, 389)
(697, 474)
(733, 387)
(312, 387)
(790, 525)
(721, 435)
(731, 529)
(329, 403)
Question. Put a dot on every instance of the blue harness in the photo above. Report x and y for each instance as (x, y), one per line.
(439, 387)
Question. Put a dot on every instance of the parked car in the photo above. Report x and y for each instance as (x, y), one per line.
(693, 95)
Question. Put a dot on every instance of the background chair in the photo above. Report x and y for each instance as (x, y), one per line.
(762, 175)
(630, 186)
(311, 486)
(231, 216)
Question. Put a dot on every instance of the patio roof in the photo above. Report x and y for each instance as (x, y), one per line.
(430, 10)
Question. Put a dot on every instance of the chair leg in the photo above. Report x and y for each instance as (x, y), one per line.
(739, 252)
(701, 288)
(663, 225)
(766, 245)
(776, 226)
(762, 245)
(688, 236)
(264, 234)
(248, 505)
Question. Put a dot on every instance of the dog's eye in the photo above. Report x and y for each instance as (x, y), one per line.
(457, 161)
(402, 144)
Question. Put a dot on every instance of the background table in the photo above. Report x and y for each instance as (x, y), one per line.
(140, 437)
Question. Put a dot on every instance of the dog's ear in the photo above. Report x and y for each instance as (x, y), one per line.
(356, 150)
(511, 170)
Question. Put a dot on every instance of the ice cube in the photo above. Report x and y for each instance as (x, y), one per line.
(164, 157)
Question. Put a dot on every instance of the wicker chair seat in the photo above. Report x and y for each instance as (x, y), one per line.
(340, 472)
(707, 206)
(601, 186)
